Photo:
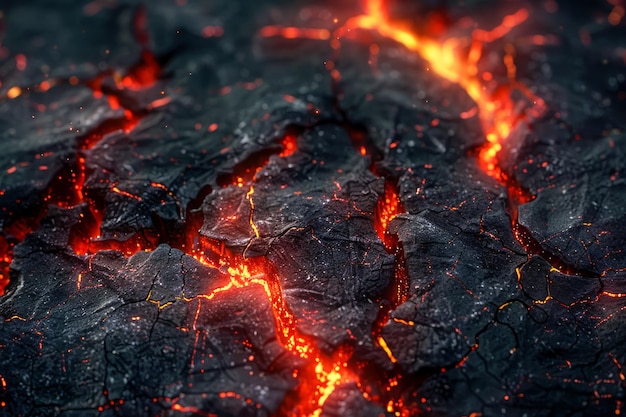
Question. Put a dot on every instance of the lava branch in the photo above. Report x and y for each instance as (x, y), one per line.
(142, 75)
(494, 107)
(321, 373)
(495, 110)
(388, 206)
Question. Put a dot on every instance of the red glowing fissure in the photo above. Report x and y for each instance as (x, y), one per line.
(495, 109)
(322, 373)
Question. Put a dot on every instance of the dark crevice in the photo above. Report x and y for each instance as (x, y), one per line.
(391, 391)
(516, 196)
(244, 171)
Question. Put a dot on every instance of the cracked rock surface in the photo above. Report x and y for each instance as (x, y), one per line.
(207, 212)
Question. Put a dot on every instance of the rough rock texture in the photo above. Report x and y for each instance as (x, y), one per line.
(202, 217)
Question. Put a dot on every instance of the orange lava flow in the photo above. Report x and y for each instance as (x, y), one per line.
(246, 272)
(388, 207)
(495, 108)
(495, 111)
(454, 59)
(321, 374)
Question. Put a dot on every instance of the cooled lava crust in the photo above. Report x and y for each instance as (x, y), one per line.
(330, 208)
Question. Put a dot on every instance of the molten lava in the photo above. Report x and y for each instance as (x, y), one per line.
(321, 374)
(495, 110)
(388, 207)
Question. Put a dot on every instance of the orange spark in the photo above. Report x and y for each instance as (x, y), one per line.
(14, 92)
(616, 15)
(45, 85)
(20, 62)
(212, 31)
(160, 102)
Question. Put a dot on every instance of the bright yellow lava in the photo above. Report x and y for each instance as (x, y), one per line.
(444, 59)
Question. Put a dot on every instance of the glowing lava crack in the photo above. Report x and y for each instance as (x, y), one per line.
(494, 107)
(237, 229)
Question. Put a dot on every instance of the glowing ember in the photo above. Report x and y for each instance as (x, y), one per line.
(290, 145)
(295, 33)
(389, 206)
(14, 92)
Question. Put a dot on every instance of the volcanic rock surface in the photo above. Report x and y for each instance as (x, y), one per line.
(273, 208)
